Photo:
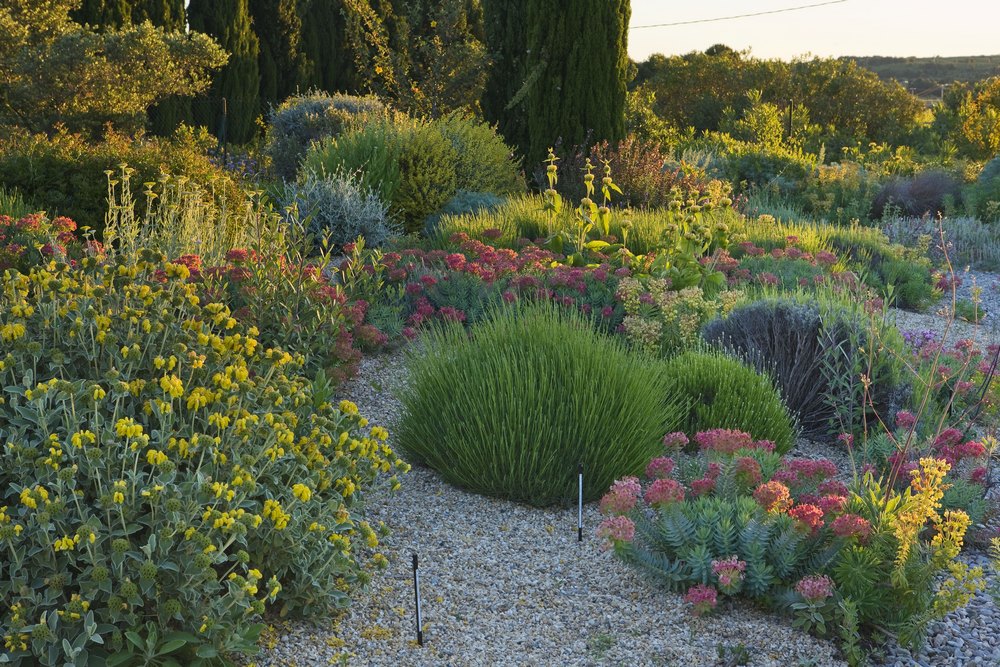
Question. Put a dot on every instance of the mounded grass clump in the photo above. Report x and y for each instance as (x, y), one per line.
(509, 409)
(724, 393)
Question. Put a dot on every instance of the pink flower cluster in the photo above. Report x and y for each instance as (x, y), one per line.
(663, 492)
(808, 515)
(949, 446)
(729, 571)
(660, 467)
(905, 420)
(675, 441)
(798, 472)
(815, 588)
(706, 484)
(773, 497)
(702, 599)
(747, 471)
(616, 529)
(622, 496)
(852, 525)
(729, 441)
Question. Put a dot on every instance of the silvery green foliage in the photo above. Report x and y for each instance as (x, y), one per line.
(300, 120)
(340, 209)
(463, 203)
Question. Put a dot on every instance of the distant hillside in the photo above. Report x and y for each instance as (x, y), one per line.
(925, 75)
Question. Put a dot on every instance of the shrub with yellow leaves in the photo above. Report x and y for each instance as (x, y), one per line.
(164, 472)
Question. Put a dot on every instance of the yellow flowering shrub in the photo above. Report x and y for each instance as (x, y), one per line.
(663, 320)
(891, 575)
(164, 473)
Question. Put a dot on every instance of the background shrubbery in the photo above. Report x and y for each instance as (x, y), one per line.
(722, 392)
(65, 174)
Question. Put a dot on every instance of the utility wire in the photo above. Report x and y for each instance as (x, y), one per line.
(738, 16)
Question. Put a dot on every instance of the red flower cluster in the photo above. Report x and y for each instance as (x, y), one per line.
(729, 441)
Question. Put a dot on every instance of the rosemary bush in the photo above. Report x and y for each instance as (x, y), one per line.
(511, 409)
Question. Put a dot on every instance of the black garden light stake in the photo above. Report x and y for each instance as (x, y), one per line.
(416, 597)
(579, 513)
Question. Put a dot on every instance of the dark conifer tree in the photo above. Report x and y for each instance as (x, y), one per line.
(559, 71)
(506, 31)
(282, 63)
(237, 84)
(104, 13)
(169, 15)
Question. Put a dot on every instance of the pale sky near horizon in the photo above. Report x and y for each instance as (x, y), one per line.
(853, 27)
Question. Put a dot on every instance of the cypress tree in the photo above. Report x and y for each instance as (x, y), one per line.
(228, 21)
(506, 31)
(103, 13)
(559, 73)
(169, 15)
(282, 63)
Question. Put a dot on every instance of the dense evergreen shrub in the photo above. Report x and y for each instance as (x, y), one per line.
(982, 198)
(66, 175)
(816, 356)
(511, 409)
(302, 119)
(427, 177)
(927, 193)
(372, 151)
(722, 392)
(484, 163)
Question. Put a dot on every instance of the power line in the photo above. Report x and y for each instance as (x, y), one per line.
(738, 16)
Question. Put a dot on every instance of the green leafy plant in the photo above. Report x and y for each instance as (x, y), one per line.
(166, 473)
(511, 408)
(427, 176)
(667, 321)
(13, 203)
(303, 119)
(66, 173)
(725, 393)
(483, 163)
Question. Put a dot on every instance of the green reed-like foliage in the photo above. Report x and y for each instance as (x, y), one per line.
(511, 409)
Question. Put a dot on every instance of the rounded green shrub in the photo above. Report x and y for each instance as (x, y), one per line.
(511, 408)
(427, 177)
(302, 119)
(372, 152)
(65, 174)
(164, 472)
(816, 353)
(725, 393)
(484, 163)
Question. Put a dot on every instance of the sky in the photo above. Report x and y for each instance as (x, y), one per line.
(849, 28)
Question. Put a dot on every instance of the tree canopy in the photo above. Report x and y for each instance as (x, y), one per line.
(54, 70)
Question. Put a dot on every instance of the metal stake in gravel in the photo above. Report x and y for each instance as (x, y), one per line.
(579, 512)
(416, 597)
